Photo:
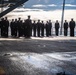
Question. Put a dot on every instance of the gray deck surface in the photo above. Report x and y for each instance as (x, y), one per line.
(42, 56)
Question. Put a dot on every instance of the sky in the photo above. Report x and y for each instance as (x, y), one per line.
(46, 9)
(50, 4)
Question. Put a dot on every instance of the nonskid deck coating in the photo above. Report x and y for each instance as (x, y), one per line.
(38, 57)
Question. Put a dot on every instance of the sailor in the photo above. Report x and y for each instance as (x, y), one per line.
(6, 26)
(24, 28)
(2, 22)
(12, 27)
(50, 27)
(15, 28)
(0, 27)
(42, 29)
(65, 28)
(72, 27)
(19, 23)
(38, 28)
(47, 29)
(57, 28)
(28, 27)
(34, 25)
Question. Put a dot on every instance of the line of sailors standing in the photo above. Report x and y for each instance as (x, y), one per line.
(20, 28)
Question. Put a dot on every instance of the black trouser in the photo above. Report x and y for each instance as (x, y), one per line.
(65, 32)
(34, 33)
(19, 32)
(24, 32)
(15, 32)
(4, 32)
(50, 32)
(47, 32)
(57, 32)
(28, 32)
(72, 32)
(42, 32)
(38, 32)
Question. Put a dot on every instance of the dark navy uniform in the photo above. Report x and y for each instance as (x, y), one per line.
(6, 27)
(19, 23)
(50, 27)
(38, 28)
(3, 27)
(47, 29)
(24, 28)
(12, 27)
(0, 27)
(65, 28)
(72, 26)
(34, 25)
(57, 28)
(15, 26)
(42, 29)
(28, 27)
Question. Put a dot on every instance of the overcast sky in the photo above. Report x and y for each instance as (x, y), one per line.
(46, 9)
(50, 4)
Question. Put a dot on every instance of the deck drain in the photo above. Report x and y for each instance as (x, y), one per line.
(7, 54)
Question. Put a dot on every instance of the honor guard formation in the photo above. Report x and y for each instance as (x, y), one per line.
(28, 28)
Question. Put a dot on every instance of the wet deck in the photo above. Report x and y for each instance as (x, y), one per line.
(38, 56)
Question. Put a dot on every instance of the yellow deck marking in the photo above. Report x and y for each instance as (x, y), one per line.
(2, 72)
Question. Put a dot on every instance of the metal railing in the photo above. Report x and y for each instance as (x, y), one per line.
(12, 7)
